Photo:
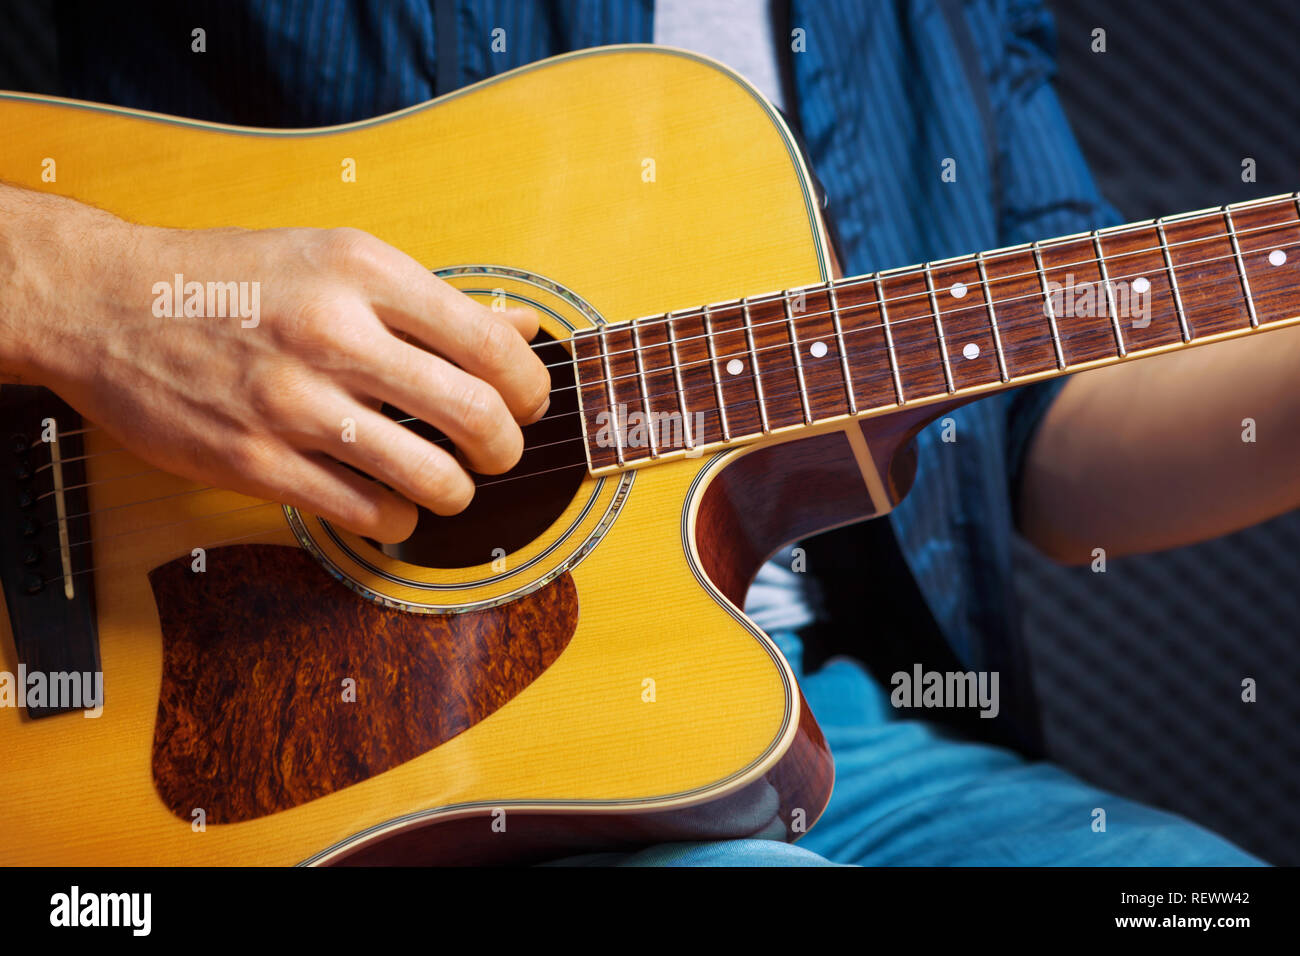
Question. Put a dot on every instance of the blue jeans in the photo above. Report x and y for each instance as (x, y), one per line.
(909, 794)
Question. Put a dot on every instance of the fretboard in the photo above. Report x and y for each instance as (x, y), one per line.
(700, 379)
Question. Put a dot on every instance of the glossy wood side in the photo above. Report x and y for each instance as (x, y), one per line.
(771, 496)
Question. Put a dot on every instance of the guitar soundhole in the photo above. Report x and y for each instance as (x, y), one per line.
(510, 510)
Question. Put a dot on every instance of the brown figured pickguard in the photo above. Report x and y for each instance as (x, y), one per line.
(252, 715)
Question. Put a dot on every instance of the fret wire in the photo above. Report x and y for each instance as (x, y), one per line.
(753, 357)
(798, 359)
(1183, 327)
(645, 389)
(1047, 300)
(609, 390)
(1110, 295)
(993, 319)
(938, 328)
(889, 341)
(582, 409)
(717, 379)
(677, 378)
(844, 352)
(1241, 269)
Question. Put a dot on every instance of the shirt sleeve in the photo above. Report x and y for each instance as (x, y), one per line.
(1045, 186)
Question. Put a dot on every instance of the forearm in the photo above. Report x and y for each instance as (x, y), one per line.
(57, 258)
(1148, 455)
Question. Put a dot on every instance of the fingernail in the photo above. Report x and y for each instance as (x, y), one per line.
(541, 411)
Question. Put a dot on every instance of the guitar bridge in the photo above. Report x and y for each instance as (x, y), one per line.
(45, 554)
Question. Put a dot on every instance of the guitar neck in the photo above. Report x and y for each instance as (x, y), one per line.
(688, 382)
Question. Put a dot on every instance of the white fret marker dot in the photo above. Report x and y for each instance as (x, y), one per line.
(971, 350)
(735, 366)
(958, 290)
(1276, 257)
(818, 349)
(1141, 284)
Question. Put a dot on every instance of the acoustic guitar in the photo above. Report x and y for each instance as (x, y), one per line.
(564, 666)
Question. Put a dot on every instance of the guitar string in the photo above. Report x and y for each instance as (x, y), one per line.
(279, 529)
(222, 514)
(651, 322)
(835, 387)
(172, 524)
(745, 352)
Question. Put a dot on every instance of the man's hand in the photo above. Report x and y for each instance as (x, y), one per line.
(346, 323)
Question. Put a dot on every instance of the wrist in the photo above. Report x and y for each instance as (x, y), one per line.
(65, 277)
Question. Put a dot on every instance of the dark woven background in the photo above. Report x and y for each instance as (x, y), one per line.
(1139, 669)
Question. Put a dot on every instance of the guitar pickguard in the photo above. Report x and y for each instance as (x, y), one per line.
(280, 685)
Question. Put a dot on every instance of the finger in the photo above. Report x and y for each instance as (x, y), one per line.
(527, 323)
(466, 409)
(317, 485)
(524, 320)
(483, 344)
(489, 345)
(411, 465)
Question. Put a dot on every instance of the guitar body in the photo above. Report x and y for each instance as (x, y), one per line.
(591, 683)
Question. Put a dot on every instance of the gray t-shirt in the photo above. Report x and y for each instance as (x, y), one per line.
(735, 32)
